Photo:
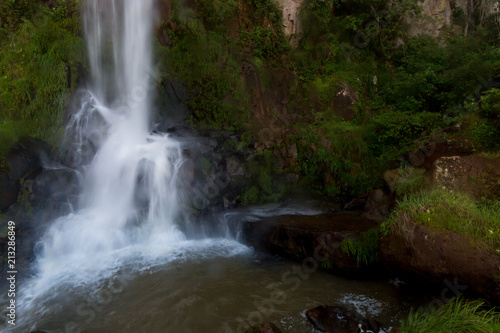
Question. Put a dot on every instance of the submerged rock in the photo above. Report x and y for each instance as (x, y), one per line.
(336, 319)
(264, 328)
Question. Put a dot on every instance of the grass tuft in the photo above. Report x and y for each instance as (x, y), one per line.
(477, 220)
(458, 316)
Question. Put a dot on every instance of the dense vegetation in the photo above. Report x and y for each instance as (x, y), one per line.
(410, 88)
(39, 66)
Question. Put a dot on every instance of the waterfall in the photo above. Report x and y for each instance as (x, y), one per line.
(129, 194)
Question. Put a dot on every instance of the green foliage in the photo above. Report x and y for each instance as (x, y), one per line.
(210, 73)
(266, 43)
(478, 221)
(458, 316)
(39, 66)
(393, 134)
(216, 12)
(365, 248)
(337, 164)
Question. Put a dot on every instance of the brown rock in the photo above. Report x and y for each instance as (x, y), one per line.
(472, 174)
(343, 100)
(439, 255)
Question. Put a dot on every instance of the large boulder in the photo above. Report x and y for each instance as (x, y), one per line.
(440, 255)
(476, 175)
(314, 240)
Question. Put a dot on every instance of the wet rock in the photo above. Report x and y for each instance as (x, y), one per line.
(264, 328)
(25, 160)
(312, 240)
(56, 185)
(8, 192)
(390, 178)
(26, 157)
(336, 319)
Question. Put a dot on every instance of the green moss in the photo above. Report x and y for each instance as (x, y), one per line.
(459, 315)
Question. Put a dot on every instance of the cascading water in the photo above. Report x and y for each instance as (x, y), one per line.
(130, 187)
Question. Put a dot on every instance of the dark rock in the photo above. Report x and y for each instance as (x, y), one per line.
(54, 185)
(315, 238)
(264, 328)
(8, 192)
(335, 319)
(26, 157)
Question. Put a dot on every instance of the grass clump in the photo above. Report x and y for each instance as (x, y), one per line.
(439, 209)
(457, 316)
(365, 248)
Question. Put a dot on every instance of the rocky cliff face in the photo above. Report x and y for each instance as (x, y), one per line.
(291, 21)
(437, 15)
